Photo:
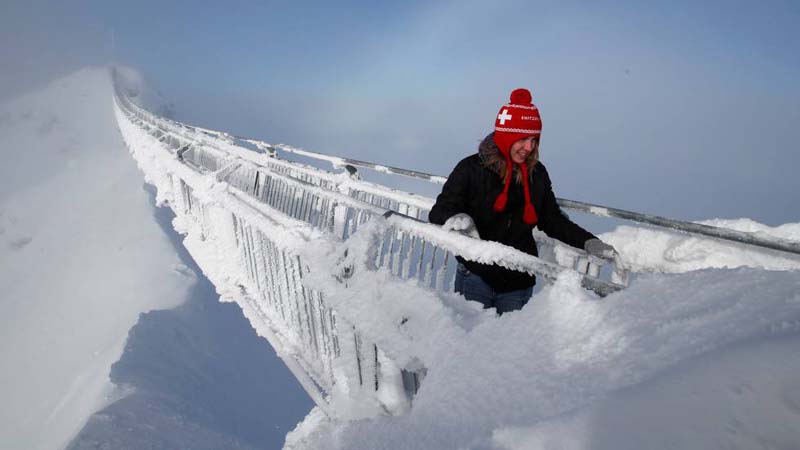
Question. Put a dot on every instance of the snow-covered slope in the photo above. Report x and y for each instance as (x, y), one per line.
(81, 257)
(194, 377)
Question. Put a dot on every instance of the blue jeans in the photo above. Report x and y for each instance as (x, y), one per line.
(472, 287)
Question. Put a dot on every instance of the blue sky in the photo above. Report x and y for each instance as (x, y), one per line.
(685, 109)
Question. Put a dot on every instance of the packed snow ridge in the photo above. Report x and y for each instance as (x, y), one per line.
(81, 258)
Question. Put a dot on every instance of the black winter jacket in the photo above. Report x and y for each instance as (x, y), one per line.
(472, 188)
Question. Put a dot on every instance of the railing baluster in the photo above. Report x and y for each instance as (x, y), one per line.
(284, 197)
(275, 280)
(318, 212)
(274, 189)
(253, 255)
(443, 272)
(407, 262)
(305, 208)
(401, 256)
(293, 208)
(431, 281)
(420, 270)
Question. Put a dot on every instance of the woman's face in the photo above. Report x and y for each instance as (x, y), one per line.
(521, 149)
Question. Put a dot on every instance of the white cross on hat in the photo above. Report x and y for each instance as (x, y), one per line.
(504, 116)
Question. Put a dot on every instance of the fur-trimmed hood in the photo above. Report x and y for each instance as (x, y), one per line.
(494, 160)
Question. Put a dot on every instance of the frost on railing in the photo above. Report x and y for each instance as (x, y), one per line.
(259, 227)
(247, 234)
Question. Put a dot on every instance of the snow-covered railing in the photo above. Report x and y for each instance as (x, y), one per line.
(769, 242)
(210, 150)
(409, 250)
(254, 222)
(252, 254)
(727, 234)
(421, 204)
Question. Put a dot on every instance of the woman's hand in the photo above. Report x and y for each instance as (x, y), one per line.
(462, 223)
(600, 249)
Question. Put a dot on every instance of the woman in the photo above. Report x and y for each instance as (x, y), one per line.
(500, 194)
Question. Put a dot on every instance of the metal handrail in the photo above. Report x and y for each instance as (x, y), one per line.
(590, 208)
(513, 259)
(688, 227)
(338, 161)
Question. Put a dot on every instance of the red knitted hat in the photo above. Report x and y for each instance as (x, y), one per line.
(516, 120)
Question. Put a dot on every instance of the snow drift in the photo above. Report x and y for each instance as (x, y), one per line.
(81, 257)
(703, 357)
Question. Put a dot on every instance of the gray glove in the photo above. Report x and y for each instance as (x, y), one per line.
(462, 223)
(600, 249)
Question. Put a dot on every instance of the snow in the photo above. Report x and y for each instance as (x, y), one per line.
(743, 397)
(599, 211)
(81, 257)
(211, 241)
(700, 351)
(496, 383)
(703, 338)
(660, 250)
(504, 382)
(194, 377)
